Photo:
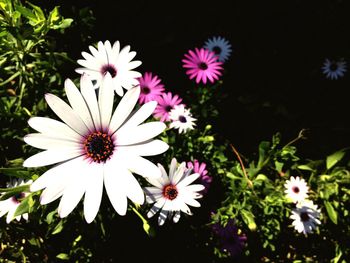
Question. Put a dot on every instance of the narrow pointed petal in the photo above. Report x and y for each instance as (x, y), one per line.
(105, 100)
(42, 141)
(51, 156)
(151, 148)
(143, 167)
(141, 115)
(189, 179)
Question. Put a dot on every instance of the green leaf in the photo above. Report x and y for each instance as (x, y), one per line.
(63, 256)
(49, 217)
(332, 213)
(9, 192)
(334, 158)
(18, 172)
(24, 206)
(64, 24)
(305, 167)
(278, 166)
(248, 219)
(58, 228)
(263, 150)
(27, 13)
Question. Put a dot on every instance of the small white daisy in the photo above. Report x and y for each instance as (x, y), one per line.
(296, 189)
(11, 204)
(93, 147)
(334, 69)
(118, 63)
(181, 118)
(220, 46)
(173, 194)
(306, 217)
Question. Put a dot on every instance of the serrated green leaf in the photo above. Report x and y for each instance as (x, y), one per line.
(334, 158)
(332, 213)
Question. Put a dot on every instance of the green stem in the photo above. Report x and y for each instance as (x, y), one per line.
(10, 78)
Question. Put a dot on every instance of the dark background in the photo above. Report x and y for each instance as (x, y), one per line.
(273, 82)
(273, 78)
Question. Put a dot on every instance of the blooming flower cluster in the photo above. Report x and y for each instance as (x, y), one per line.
(305, 214)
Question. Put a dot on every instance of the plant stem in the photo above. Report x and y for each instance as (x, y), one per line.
(250, 184)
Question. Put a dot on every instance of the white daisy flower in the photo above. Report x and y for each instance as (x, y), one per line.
(181, 118)
(93, 147)
(220, 46)
(306, 217)
(334, 69)
(173, 194)
(296, 189)
(11, 204)
(118, 63)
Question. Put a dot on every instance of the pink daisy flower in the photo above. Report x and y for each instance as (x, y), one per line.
(150, 87)
(202, 65)
(166, 102)
(199, 168)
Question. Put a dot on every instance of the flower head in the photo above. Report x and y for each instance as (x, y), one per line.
(117, 62)
(11, 204)
(172, 194)
(166, 102)
(220, 46)
(296, 189)
(199, 168)
(306, 217)
(202, 64)
(229, 238)
(181, 119)
(94, 146)
(334, 69)
(151, 88)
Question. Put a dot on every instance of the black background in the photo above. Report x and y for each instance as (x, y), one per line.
(273, 80)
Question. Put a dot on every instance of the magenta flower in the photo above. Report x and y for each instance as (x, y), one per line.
(229, 238)
(150, 86)
(166, 102)
(204, 178)
(202, 65)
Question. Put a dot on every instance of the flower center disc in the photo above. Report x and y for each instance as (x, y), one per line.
(110, 69)
(182, 119)
(295, 189)
(304, 216)
(18, 197)
(333, 67)
(168, 108)
(145, 90)
(217, 50)
(203, 66)
(99, 146)
(170, 192)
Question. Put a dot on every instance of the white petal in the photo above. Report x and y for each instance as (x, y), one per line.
(150, 148)
(152, 194)
(184, 208)
(124, 108)
(42, 141)
(188, 180)
(51, 156)
(162, 216)
(51, 194)
(192, 202)
(78, 103)
(140, 133)
(195, 187)
(177, 216)
(88, 92)
(178, 174)
(172, 168)
(155, 208)
(132, 187)
(72, 194)
(115, 191)
(53, 128)
(94, 189)
(142, 167)
(141, 115)
(105, 100)
(66, 113)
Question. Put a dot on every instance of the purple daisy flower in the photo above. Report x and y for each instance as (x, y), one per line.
(166, 103)
(229, 239)
(199, 168)
(202, 65)
(150, 87)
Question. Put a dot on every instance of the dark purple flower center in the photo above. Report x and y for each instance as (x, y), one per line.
(295, 189)
(217, 50)
(18, 197)
(168, 108)
(145, 90)
(170, 192)
(182, 119)
(110, 69)
(99, 146)
(333, 66)
(304, 216)
(203, 66)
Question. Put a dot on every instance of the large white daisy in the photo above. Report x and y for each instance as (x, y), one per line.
(296, 189)
(11, 204)
(181, 119)
(94, 146)
(305, 216)
(118, 63)
(172, 194)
